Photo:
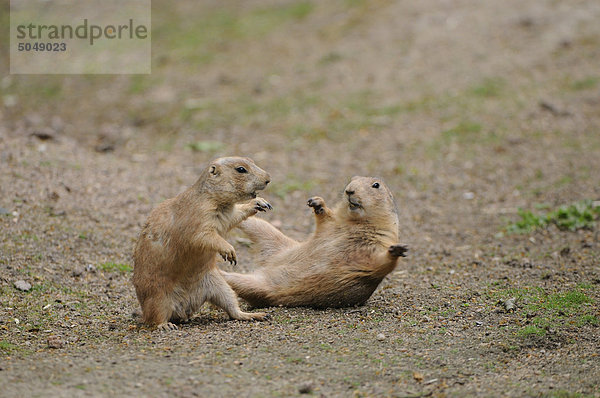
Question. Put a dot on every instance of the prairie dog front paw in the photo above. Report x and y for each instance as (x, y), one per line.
(259, 204)
(228, 254)
(317, 203)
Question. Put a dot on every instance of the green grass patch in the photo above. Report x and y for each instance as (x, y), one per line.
(531, 330)
(579, 215)
(301, 115)
(566, 300)
(544, 311)
(29, 237)
(205, 146)
(528, 222)
(586, 83)
(36, 90)
(464, 132)
(291, 184)
(284, 112)
(356, 3)
(330, 58)
(565, 394)
(462, 129)
(200, 37)
(585, 286)
(488, 88)
(326, 347)
(115, 267)
(308, 133)
(277, 14)
(588, 319)
(139, 84)
(7, 348)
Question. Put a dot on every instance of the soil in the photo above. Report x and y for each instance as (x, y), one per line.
(469, 110)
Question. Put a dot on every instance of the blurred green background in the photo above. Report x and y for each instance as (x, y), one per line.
(494, 98)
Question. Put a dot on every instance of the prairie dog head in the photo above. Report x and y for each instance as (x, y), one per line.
(234, 178)
(370, 199)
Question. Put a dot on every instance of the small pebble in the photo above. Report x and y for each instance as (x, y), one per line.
(381, 337)
(59, 213)
(55, 342)
(306, 388)
(509, 304)
(22, 285)
(418, 376)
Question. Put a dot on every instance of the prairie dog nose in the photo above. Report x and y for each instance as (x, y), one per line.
(349, 192)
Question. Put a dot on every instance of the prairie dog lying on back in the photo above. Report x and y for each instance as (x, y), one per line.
(175, 268)
(352, 249)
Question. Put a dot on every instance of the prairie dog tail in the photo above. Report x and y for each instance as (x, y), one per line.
(269, 239)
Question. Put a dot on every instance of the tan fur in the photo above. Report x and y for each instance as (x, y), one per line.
(175, 268)
(352, 249)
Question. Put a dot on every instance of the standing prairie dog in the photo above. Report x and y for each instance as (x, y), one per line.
(352, 249)
(175, 268)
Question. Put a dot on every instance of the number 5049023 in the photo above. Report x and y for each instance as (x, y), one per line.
(42, 46)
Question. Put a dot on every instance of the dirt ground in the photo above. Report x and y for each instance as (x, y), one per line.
(469, 110)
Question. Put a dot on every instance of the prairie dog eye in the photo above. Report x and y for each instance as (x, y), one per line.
(376, 185)
(241, 169)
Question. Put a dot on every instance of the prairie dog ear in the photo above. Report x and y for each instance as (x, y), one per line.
(214, 170)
